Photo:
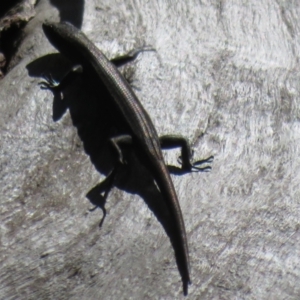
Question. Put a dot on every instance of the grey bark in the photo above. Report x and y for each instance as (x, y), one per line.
(226, 75)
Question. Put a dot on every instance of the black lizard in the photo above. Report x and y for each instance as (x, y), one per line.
(137, 131)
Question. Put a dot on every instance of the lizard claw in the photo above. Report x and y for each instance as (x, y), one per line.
(203, 161)
(122, 161)
(49, 83)
(197, 169)
(194, 167)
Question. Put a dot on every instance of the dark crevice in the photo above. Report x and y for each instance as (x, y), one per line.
(6, 5)
(70, 11)
(9, 42)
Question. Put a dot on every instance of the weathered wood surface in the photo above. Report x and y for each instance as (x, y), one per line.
(225, 75)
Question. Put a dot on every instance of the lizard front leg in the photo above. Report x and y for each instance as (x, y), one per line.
(57, 87)
(129, 57)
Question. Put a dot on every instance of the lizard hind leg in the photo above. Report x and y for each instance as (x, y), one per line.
(178, 141)
(98, 194)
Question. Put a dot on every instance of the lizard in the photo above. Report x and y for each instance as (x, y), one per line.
(138, 130)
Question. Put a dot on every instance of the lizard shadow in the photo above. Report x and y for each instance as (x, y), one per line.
(95, 122)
